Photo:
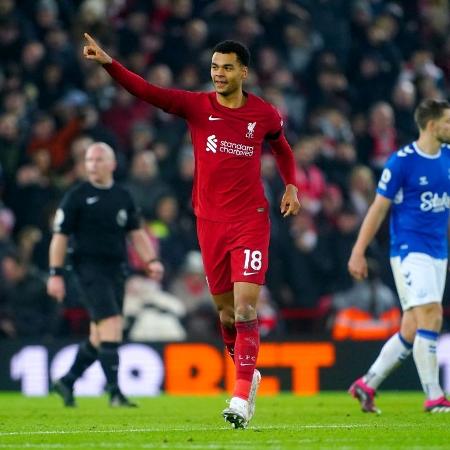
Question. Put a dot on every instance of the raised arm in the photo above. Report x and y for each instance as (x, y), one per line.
(357, 264)
(170, 100)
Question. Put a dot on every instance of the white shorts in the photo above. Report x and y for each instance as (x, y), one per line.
(420, 279)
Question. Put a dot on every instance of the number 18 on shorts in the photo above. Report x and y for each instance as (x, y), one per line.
(234, 252)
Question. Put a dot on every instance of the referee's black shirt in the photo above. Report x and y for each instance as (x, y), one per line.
(98, 220)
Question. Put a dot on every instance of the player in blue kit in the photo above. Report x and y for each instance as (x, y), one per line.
(415, 184)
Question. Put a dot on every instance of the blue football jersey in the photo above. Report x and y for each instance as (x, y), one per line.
(419, 187)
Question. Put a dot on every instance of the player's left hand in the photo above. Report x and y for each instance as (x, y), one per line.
(155, 270)
(290, 205)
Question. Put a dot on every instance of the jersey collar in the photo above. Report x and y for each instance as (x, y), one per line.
(426, 155)
(218, 106)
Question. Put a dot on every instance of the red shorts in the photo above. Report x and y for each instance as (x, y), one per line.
(237, 251)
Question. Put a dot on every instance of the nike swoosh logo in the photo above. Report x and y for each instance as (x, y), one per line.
(214, 118)
(246, 274)
(91, 200)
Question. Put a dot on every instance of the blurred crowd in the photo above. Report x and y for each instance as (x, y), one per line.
(345, 74)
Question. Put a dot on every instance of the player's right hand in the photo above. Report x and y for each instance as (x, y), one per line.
(93, 51)
(56, 287)
(357, 266)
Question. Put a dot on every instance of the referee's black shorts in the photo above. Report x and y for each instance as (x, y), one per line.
(103, 286)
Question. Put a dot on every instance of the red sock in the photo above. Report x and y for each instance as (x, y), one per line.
(229, 338)
(246, 354)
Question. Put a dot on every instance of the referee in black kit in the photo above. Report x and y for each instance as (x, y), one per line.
(98, 216)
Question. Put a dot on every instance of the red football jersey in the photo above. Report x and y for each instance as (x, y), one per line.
(227, 146)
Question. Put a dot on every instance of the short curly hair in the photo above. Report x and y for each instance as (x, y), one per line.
(242, 52)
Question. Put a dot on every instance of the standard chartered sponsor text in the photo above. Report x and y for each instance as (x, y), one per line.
(233, 148)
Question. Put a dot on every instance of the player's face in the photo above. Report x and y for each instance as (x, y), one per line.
(442, 128)
(99, 166)
(227, 73)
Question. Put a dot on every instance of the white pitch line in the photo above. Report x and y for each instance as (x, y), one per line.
(109, 446)
(190, 429)
(119, 446)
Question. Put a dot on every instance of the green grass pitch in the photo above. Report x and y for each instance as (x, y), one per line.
(326, 421)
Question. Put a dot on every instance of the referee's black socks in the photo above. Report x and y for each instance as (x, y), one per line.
(86, 355)
(108, 355)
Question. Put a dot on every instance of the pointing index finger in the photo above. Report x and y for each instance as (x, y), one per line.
(90, 39)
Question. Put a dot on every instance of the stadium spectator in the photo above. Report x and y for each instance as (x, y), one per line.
(11, 146)
(398, 54)
(173, 232)
(367, 310)
(403, 102)
(46, 135)
(122, 115)
(381, 137)
(339, 165)
(33, 190)
(31, 312)
(309, 177)
(7, 221)
(339, 243)
(191, 287)
(151, 314)
(361, 190)
(144, 183)
(303, 262)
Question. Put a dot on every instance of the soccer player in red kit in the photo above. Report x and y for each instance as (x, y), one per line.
(228, 127)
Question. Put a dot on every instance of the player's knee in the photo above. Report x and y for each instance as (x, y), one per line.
(430, 317)
(408, 333)
(227, 317)
(110, 329)
(226, 314)
(244, 312)
(114, 323)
